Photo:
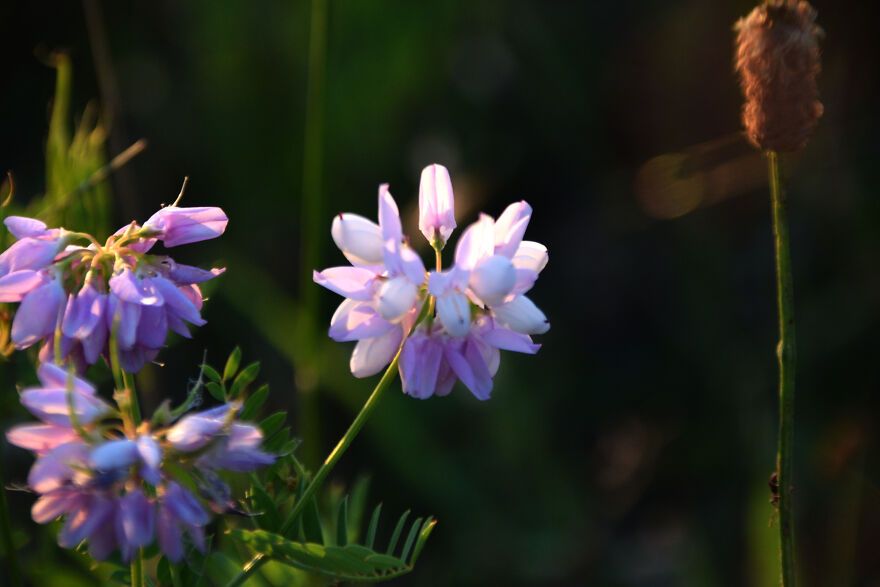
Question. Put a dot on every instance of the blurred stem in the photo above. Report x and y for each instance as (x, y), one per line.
(13, 573)
(786, 355)
(312, 221)
(390, 373)
(128, 380)
(137, 569)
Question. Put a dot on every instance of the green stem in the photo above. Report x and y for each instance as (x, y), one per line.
(137, 569)
(309, 417)
(13, 572)
(128, 381)
(259, 560)
(786, 355)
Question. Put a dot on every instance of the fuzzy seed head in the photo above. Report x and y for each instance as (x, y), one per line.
(777, 58)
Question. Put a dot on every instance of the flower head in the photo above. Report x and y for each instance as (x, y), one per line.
(480, 301)
(93, 472)
(93, 291)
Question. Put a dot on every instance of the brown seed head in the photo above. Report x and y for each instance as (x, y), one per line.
(777, 57)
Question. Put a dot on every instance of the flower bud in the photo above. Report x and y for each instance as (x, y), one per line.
(436, 204)
(179, 226)
(777, 57)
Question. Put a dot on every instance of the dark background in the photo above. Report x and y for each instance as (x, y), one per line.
(635, 448)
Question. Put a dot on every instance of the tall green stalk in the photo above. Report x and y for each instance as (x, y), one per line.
(786, 355)
(312, 225)
(390, 373)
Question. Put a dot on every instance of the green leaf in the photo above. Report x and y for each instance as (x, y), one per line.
(288, 447)
(216, 390)
(347, 563)
(270, 425)
(395, 536)
(254, 403)
(342, 523)
(232, 364)
(211, 372)
(219, 568)
(163, 572)
(374, 524)
(265, 506)
(278, 440)
(417, 525)
(427, 528)
(247, 375)
(311, 522)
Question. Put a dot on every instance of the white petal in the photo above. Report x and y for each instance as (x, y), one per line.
(359, 239)
(454, 312)
(372, 354)
(492, 279)
(396, 298)
(522, 315)
(531, 255)
(477, 242)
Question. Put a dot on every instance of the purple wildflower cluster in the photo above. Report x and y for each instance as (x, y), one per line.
(110, 480)
(85, 292)
(480, 303)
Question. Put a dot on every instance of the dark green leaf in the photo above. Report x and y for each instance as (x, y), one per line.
(163, 571)
(247, 375)
(216, 390)
(342, 523)
(265, 506)
(270, 425)
(288, 447)
(427, 528)
(211, 372)
(395, 536)
(374, 524)
(254, 403)
(311, 521)
(417, 525)
(232, 364)
(278, 440)
(384, 561)
(219, 568)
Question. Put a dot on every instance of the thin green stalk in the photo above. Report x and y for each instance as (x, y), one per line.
(259, 560)
(786, 355)
(137, 569)
(13, 573)
(128, 381)
(309, 418)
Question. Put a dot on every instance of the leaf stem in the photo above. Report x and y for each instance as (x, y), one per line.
(259, 559)
(785, 352)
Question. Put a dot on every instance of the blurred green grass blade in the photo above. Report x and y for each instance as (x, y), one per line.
(374, 525)
(416, 527)
(395, 536)
(342, 523)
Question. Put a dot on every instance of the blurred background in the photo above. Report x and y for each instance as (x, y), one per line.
(635, 448)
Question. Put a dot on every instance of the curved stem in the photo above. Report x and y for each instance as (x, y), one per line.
(786, 354)
(390, 373)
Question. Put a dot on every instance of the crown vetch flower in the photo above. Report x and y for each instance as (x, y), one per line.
(382, 287)
(91, 290)
(480, 302)
(93, 475)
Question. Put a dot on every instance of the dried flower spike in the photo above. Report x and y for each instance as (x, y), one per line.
(777, 57)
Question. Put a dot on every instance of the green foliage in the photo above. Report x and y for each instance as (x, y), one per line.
(351, 562)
